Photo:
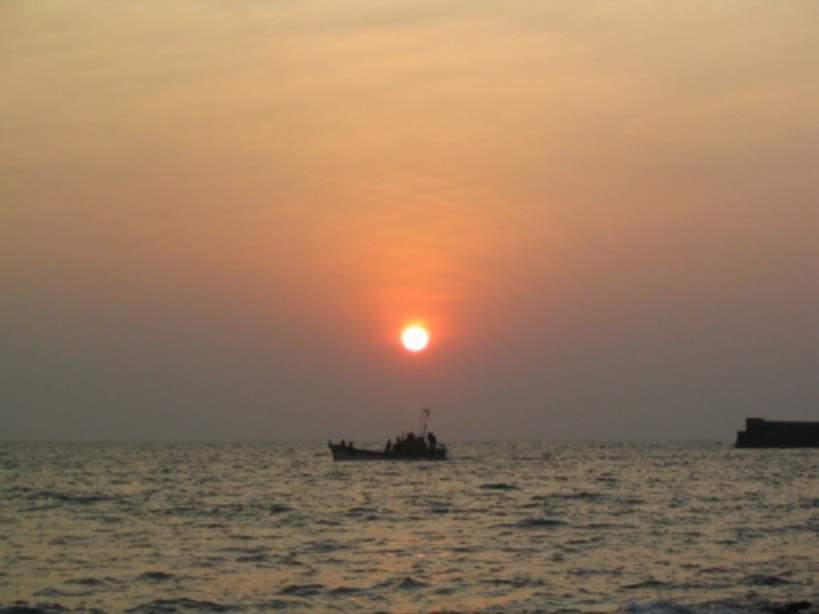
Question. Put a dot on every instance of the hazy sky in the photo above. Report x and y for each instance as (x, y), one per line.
(216, 217)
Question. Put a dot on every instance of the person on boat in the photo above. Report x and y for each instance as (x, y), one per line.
(343, 444)
(388, 447)
(432, 439)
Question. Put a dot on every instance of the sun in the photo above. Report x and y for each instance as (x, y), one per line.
(415, 338)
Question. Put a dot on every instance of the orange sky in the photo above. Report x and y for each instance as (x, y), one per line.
(600, 210)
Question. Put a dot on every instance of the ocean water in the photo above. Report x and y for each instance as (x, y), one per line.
(502, 527)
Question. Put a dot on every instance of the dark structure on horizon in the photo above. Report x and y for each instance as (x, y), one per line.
(760, 433)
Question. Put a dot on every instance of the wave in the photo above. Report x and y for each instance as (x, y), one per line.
(664, 607)
(341, 591)
(58, 592)
(86, 581)
(368, 513)
(276, 604)
(535, 523)
(518, 582)
(498, 486)
(22, 607)
(182, 604)
(716, 607)
(303, 590)
(763, 580)
(155, 576)
(569, 496)
(410, 583)
(651, 583)
(71, 498)
(406, 583)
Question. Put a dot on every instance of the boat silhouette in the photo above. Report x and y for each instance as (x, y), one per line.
(411, 446)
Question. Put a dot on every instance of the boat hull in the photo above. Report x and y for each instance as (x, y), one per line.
(346, 453)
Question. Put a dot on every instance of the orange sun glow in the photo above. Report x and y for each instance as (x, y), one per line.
(415, 338)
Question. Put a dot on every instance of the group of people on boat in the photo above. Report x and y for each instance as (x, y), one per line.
(419, 445)
(410, 442)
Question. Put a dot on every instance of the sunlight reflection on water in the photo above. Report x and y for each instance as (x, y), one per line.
(502, 526)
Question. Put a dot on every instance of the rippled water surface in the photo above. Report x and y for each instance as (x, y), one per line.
(500, 527)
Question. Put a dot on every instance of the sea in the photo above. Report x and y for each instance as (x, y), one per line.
(501, 527)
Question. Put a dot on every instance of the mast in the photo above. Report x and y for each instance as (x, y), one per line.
(422, 423)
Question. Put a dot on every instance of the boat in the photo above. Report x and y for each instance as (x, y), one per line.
(410, 447)
(761, 433)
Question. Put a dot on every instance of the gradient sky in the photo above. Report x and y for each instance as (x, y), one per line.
(215, 218)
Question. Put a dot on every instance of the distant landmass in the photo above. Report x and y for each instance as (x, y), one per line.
(761, 433)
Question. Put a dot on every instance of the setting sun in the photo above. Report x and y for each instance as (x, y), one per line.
(415, 338)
